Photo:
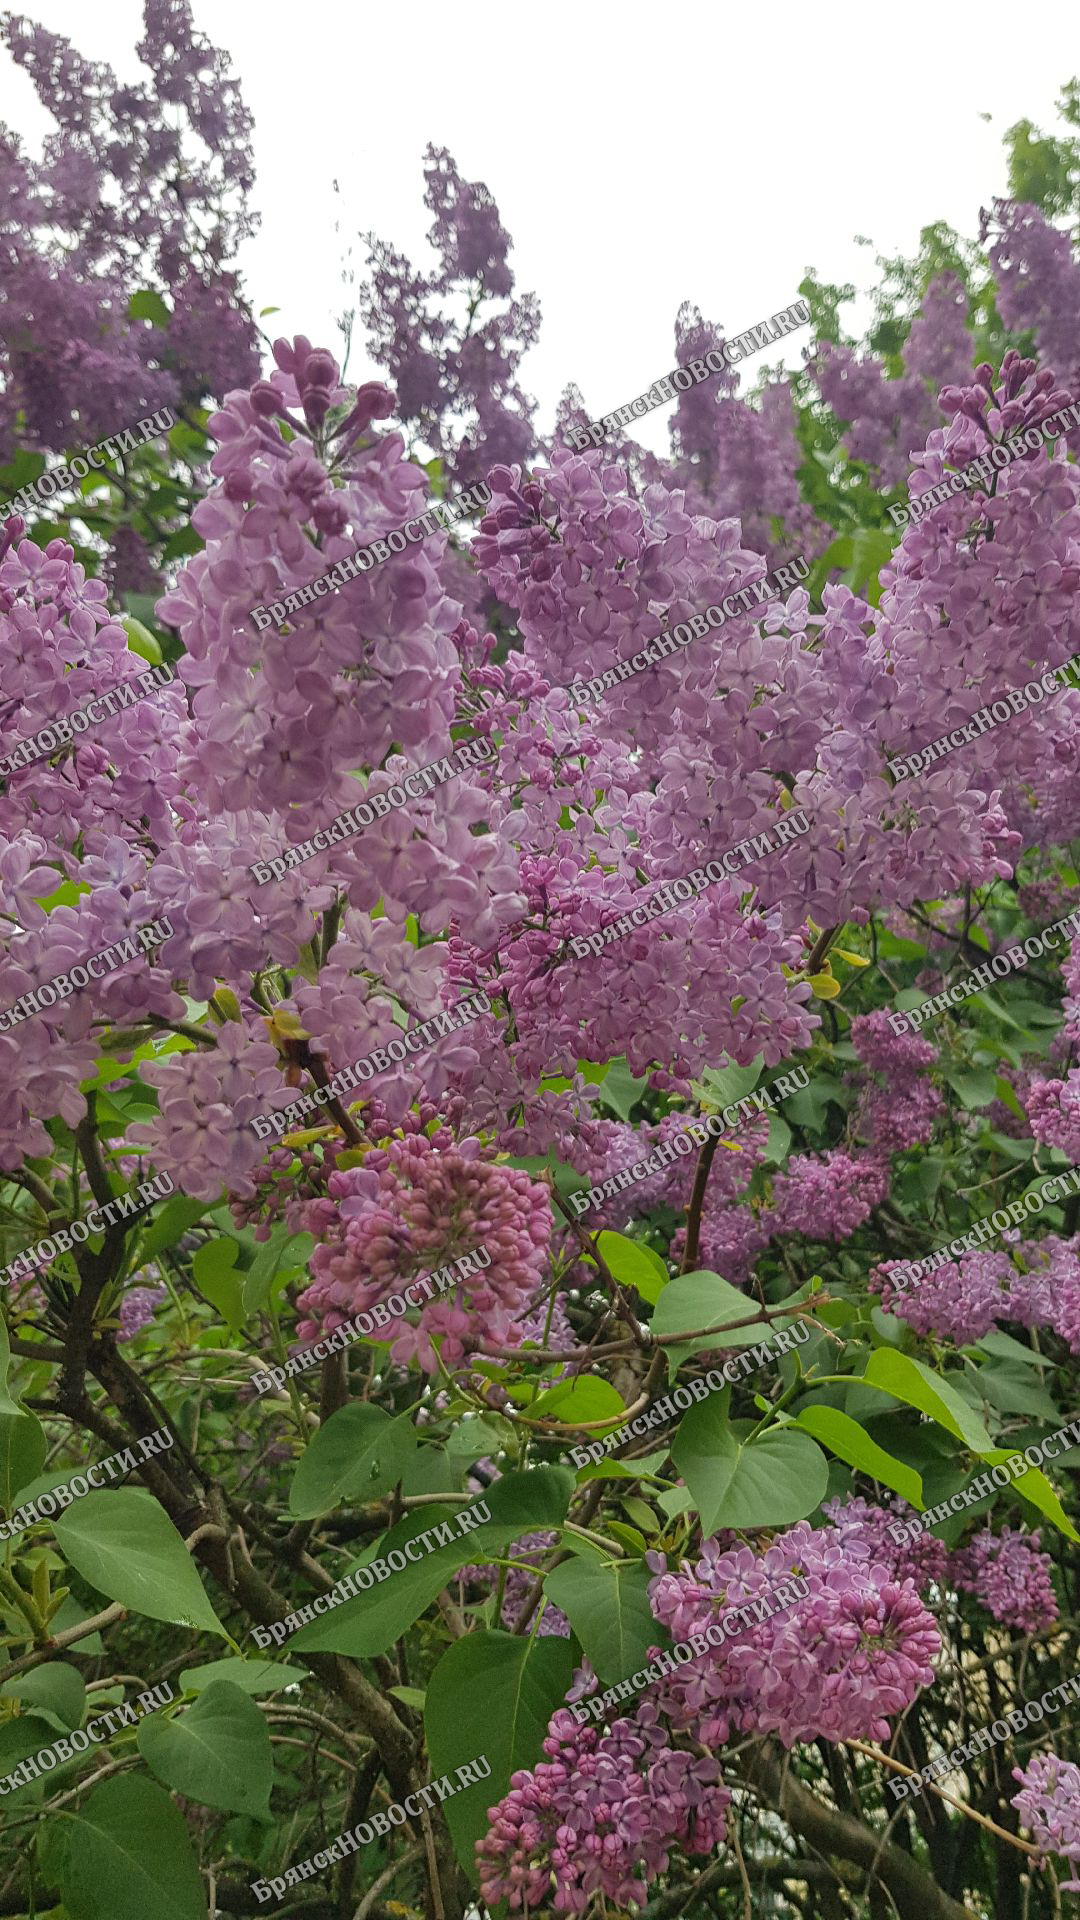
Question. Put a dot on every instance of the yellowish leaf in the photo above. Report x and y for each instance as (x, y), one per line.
(825, 987)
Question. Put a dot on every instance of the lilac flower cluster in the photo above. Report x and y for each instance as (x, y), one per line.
(413, 1206)
(457, 383)
(141, 184)
(1049, 1805)
(604, 1809)
(600, 1815)
(1009, 1576)
(899, 1111)
(1036, 1283)
(1053, 1110)
(836, 1665)
(885, 419)
(863, 1529)
(828, 1196)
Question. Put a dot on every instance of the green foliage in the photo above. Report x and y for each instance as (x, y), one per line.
(121, 1854)
(739, 1478)
(606, 1603)
(216, 1752)
(126, 1547)
(359, 1454)
(491, 1694)
(519, 1503)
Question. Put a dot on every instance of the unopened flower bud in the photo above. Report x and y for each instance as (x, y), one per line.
(321, 369)
(266, 399)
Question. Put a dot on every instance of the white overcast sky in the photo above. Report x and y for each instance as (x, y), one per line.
(639, 156)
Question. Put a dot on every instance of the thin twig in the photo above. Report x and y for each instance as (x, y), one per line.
(886, 1760)
(67, 1638)
(389, 1873)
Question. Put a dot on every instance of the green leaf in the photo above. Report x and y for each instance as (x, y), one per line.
(779, 1140)
(251, 1676)
(1004, 1346)
(57, 1687)
(264, 1270)
(606, 1603)
(71, 1614)
(358, 1454)
(123, 1854)
(726, 1086)
(824, 985)
(928, 1176)
(633, 1265)
(567, 1179)
(491, 1695)
(217, 1752)
(1034, 1487)
(1014, 1389)
(621, 1090)
(772, 1481)
(919, 1386)
(807, 1105)
(1006, 1094)
(148, 305)
(702, 1299)
(218, 1279)
(25, 1736)
(871, 548)
(577, 1402)
(22, 1454)
(176, 1216)
(21, 471)
(409, 1696)
(7, 1404)
(974, 1089)
(519, 1503)
(642, 1516)
(127, 1548)
(850, 1441)
(181, 543)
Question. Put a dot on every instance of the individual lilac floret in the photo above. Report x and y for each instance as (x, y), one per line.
(1049, 1805)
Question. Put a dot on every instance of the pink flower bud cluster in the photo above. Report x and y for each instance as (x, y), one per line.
(410, 1209)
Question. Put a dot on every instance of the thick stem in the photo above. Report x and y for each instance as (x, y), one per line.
(697, 1202)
